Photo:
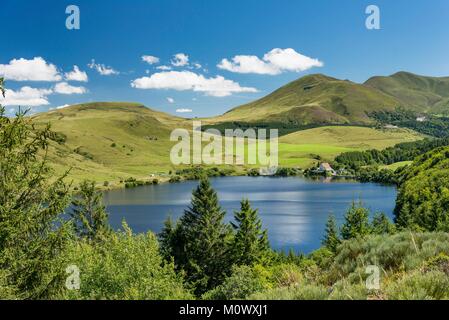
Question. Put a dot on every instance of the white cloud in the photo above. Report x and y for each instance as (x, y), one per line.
(180, 60)
(197, 65)
(187, 80)
(150, 59)
(183, 110)
(26, 97)
(76, 75)
(170, 100)
(36, 69)
(62, 107)
(102, 69)
(65, 88)
(274, 62)
(164, 68)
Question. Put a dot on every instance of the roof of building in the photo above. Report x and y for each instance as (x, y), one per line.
(326, 166)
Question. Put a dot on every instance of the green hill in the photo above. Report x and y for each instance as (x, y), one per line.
(110, 141)
(418, 93)
(311, 101)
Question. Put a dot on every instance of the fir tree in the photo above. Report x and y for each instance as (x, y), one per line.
(89, 213)
(199, 244)
(32, 236)
(356, 222)
(331, 239)
(250, 243)
(381, 224)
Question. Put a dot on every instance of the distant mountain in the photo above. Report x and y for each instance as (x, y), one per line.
(314, 100)
(415, 92)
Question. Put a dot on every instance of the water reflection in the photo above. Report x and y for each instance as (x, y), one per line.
(294, 210)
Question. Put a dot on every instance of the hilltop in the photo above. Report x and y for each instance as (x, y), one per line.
(314, 100)
(110, 141)
(415, 92)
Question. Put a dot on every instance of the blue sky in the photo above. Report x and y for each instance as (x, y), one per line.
(295, 37)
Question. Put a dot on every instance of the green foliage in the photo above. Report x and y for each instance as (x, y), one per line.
(175, 179)
(301, 292)
(432, 285)
(89, 213)
(197, 172)
(331, 239)
(126, 266)
(401, 152)
(381, 224)
(250, 244)
(423, 199)
(433, 126)
(31, 199)
(202, 240)
(403, 251)
(287, 172)
(356, 222)
(243, 282)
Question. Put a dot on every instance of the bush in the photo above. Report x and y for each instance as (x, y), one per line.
(175, 179)
(302, 292)
(243, 281)
(433, 285)
(125, 266)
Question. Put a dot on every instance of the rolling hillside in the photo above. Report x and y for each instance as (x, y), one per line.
(313, 100)
(418, 93)
(110, 141)
(115, 141)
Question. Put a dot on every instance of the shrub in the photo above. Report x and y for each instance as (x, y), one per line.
(243, 281)
(126, 266)
(433, 285)
(302, 292)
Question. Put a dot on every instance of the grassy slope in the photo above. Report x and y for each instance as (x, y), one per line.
(299, 147)
(93, 129)
(420, 93)
(314, 99)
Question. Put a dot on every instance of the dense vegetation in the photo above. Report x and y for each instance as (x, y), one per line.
(400, 152)
(423, 199)
(43, 253)
(431, 125)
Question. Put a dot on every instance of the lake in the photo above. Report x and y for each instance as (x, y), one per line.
(293, 209)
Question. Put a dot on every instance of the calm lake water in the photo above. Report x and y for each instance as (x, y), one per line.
(294, 209)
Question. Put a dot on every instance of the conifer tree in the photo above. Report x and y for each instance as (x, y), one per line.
(381, 224)
(250, 243)
(199, 243)
(331, 239)
(32, 236)
(89, 212)
(356, 222)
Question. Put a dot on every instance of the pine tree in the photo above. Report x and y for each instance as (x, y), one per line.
(250, 243)
(170, 240)
(89, 213)
(381, 224)
(356, 222)
(331, 239)
(200, 242)
(32, 235)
